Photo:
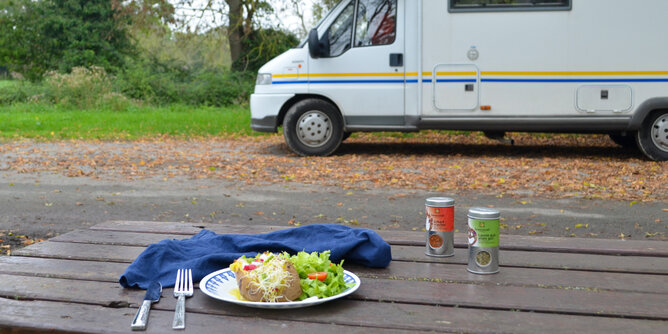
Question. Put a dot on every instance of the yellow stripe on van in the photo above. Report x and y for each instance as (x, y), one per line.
(455, 73)
(571, 73)
(285, 75)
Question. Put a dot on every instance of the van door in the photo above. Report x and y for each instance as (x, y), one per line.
(361, 67)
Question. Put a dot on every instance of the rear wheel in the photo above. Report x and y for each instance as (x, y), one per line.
(652, 136)
(313, 127)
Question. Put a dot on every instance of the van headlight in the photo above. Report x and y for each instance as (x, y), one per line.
(263, 79)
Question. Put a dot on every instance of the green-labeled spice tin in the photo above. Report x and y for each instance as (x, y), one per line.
(483, 240)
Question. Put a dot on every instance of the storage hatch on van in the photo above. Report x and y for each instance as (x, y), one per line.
(598, 98)
(456, 86)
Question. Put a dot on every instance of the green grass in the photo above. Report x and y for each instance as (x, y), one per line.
(7, 83)
(49, 122)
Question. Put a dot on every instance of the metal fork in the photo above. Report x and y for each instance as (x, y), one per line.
(182, 288)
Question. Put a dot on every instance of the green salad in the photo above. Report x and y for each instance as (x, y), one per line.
(319, 277)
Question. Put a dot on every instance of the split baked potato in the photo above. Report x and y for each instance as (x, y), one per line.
(267, 278)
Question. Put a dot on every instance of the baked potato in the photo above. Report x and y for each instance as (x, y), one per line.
(267, 278)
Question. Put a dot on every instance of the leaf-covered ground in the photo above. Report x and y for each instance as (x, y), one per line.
(551, 166)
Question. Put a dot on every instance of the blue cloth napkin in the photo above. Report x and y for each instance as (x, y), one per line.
(207, 251)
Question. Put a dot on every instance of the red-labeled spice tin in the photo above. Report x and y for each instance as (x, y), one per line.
(440, 226)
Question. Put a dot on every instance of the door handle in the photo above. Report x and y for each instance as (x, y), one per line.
(396, 59)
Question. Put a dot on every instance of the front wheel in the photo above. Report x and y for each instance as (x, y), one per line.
(313, 127)
(652, 137)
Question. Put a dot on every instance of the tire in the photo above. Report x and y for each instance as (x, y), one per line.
(652, 137)
(313, 127)
(624, 140)
(346, 135)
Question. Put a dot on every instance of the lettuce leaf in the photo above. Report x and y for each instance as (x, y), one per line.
(306, 263)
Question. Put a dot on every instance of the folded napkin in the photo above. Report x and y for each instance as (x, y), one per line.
(207, 251)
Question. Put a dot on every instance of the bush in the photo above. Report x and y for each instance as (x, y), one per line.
(173, 82)
(220, 88)
(15, 91)
(83, 88)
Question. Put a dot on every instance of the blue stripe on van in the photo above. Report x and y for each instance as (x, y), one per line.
(468, 80)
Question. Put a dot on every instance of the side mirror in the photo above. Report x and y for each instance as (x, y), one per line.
(314, 47)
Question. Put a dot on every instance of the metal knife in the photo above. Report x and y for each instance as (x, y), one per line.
(152, 295)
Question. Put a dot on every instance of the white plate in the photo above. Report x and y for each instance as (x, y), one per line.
(219, 285)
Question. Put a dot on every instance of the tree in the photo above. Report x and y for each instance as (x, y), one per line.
(241, 26)
(262, 45)
(248, 22)
(38, 36)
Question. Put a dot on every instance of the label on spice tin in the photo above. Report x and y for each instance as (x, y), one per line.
(483, 233)
(440, 219)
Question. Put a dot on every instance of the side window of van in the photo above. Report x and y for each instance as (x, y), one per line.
(339, 34)
(376, 22)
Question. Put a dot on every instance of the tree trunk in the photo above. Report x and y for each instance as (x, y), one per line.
(235, 32)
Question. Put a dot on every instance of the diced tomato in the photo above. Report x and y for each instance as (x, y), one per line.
(319, 276)
(249, 267)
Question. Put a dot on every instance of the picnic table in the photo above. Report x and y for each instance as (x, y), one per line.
(546, 284)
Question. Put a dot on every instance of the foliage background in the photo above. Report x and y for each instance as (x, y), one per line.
(90, 53)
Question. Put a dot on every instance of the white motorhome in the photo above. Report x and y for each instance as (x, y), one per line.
(595, 66)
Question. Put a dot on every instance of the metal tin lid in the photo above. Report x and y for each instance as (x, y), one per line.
(440, 201)
(484, 213)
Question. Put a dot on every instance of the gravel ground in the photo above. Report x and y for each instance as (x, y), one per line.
(552, 185)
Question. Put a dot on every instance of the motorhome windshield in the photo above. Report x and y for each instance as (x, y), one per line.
(317, 26)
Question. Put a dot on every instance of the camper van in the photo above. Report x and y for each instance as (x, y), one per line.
(580, 66)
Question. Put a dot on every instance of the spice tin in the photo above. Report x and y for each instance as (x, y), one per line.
(483, 239)
(440, 226)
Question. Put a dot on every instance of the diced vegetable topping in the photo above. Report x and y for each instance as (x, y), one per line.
(319, 276)
(249, 267)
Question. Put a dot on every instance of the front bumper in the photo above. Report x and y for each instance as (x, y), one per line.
(265, 110)
(266, 124)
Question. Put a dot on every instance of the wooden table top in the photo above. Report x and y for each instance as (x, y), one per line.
(568, 285)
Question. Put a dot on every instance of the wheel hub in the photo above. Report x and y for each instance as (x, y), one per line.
(660, 132)
(314, 128)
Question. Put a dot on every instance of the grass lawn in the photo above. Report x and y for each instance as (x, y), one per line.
(48, 122)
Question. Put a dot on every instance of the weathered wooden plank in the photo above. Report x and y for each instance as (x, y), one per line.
(80, 270)
(343, 312)
(78, 251)
(549, 300)
(596, 303)
(71, 291)
(437, 318)
(527, 277)
(103, 237)
(610, 263)
(42, 316)
(546, 260)
(415, 238)
(510, 276)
